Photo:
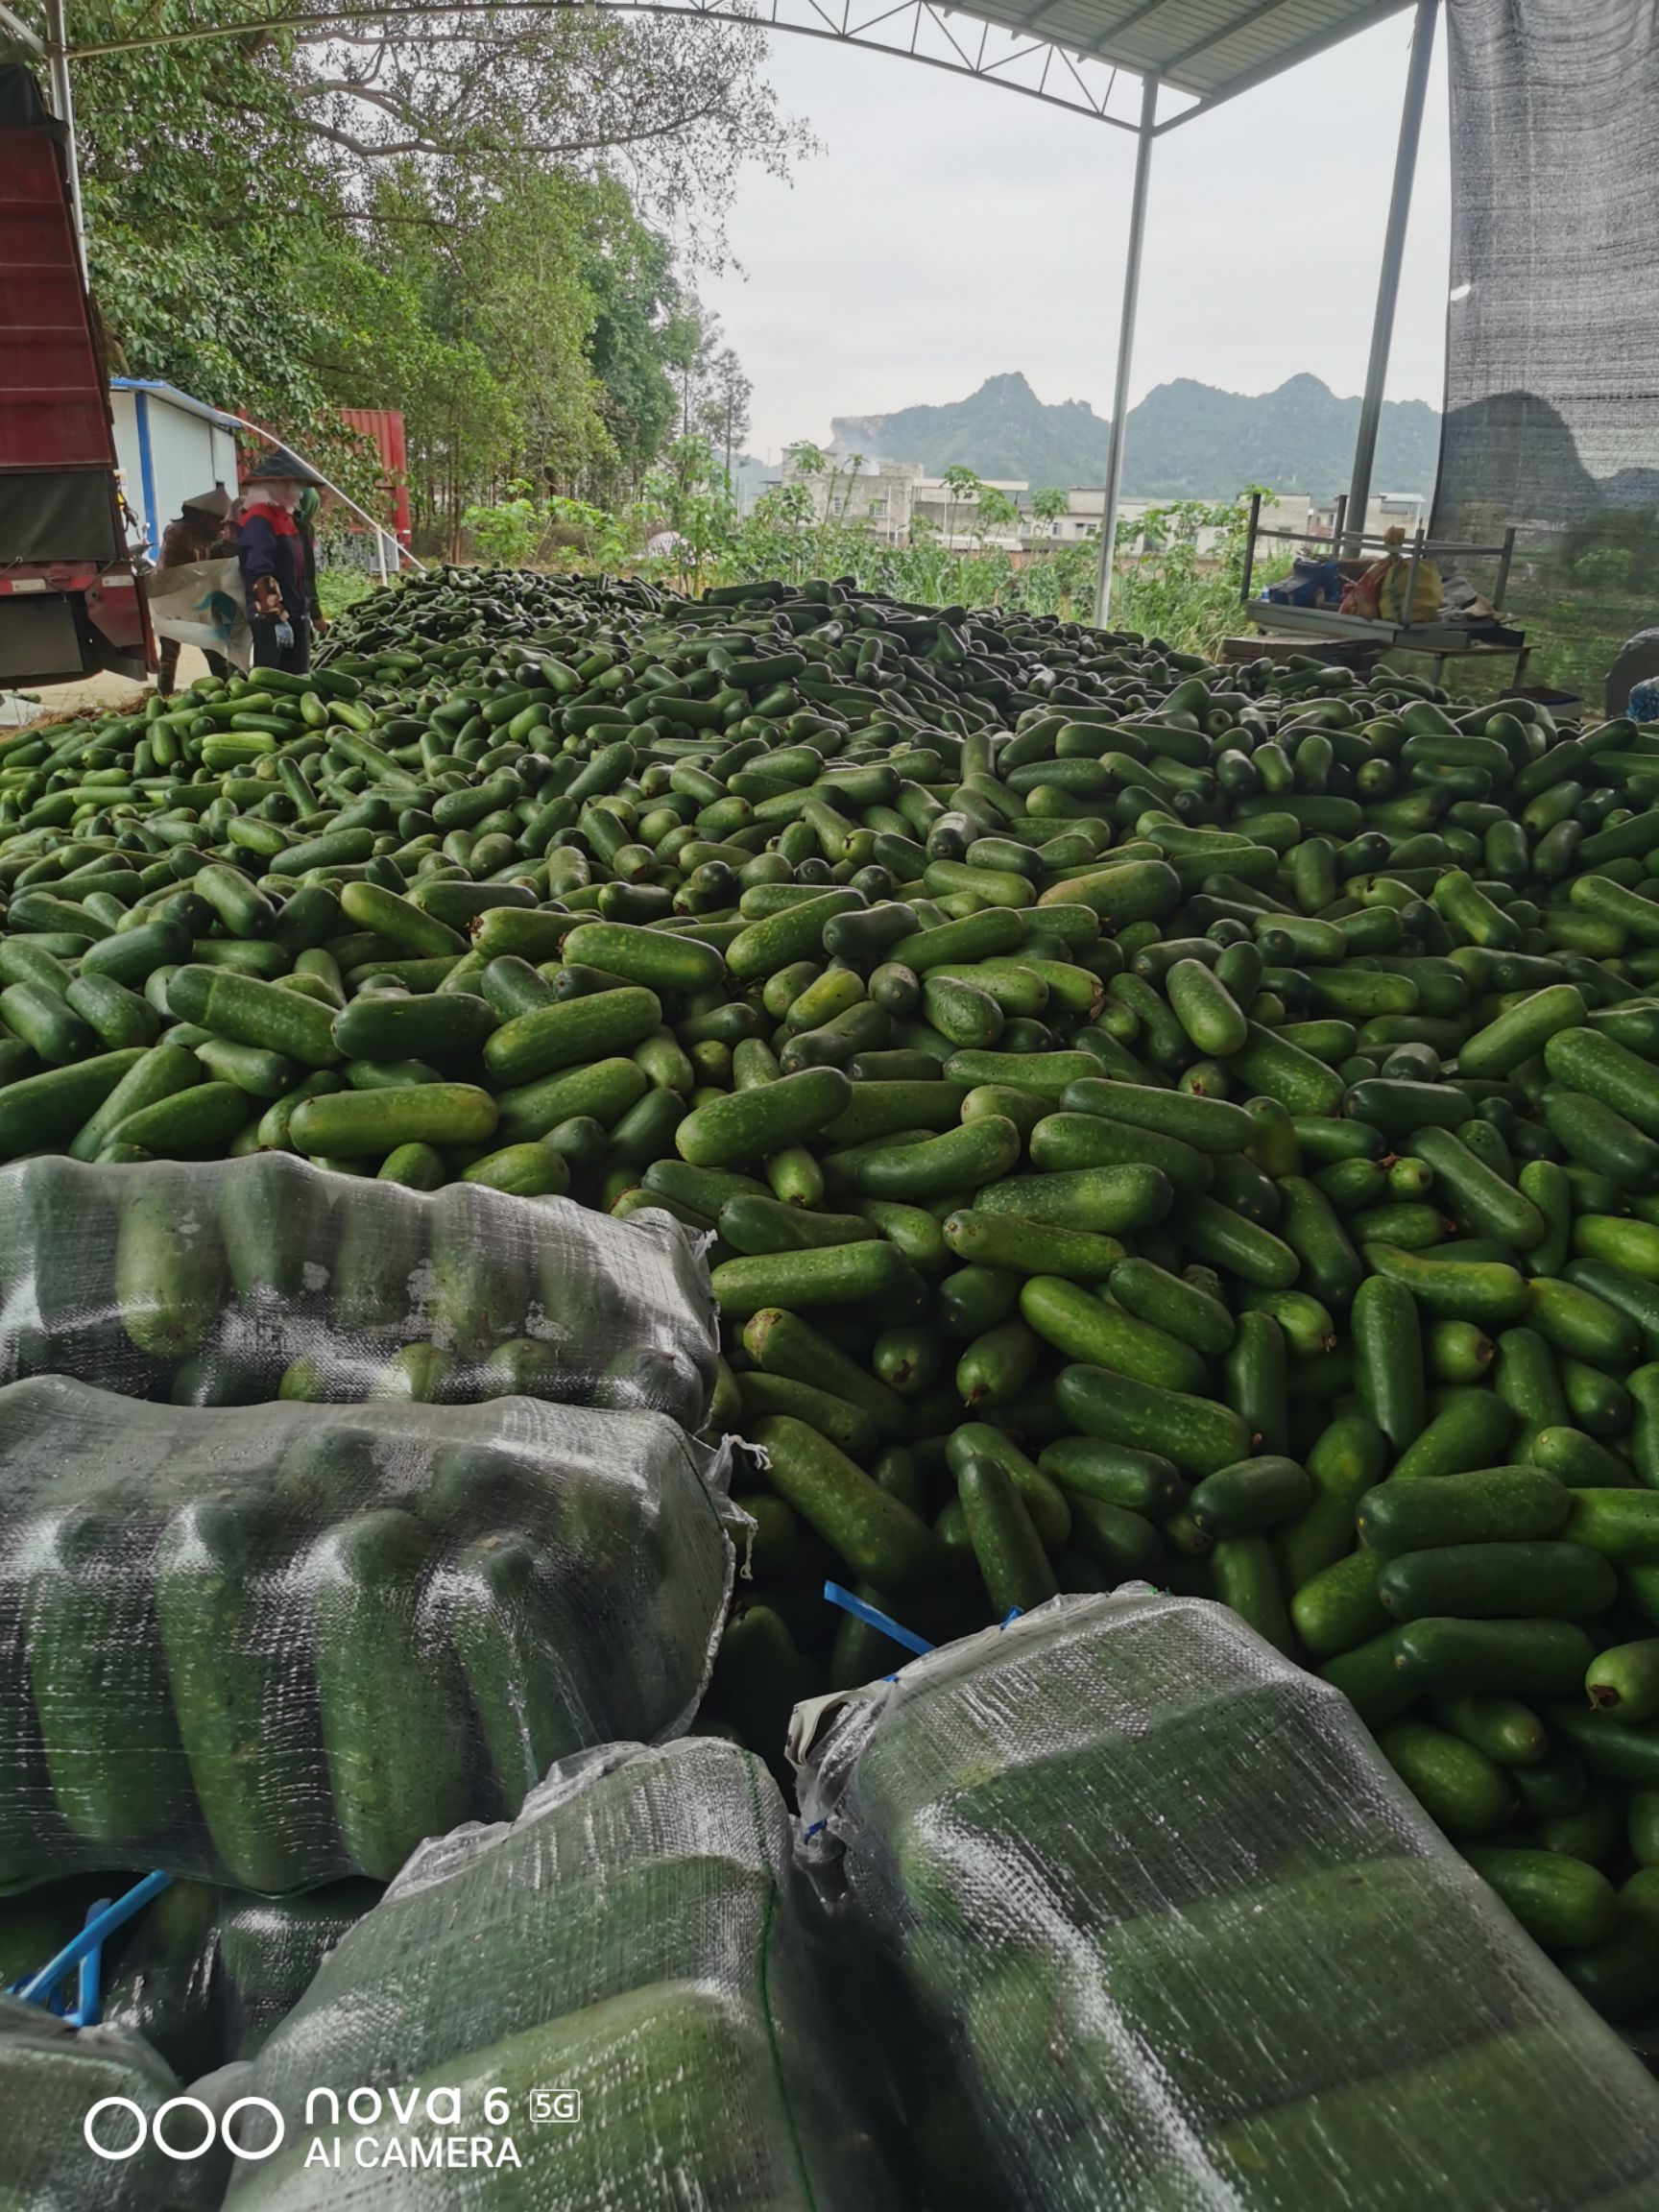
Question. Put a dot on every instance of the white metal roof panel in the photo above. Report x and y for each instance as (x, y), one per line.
(176, 398)
(1205, 47)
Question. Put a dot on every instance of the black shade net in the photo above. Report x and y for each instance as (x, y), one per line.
(1552, 369)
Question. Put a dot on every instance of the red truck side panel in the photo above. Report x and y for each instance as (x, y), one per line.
(53, 412)
(69, 601)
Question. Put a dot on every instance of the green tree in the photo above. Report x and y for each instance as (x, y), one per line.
(713, 391)
(845, 473)
(1050, 506)
(688, 349)
(690, 495)
(509, 533)
(630, 279)
(675, 118)
(447, 215)
(1183, 585)
(804, 459)
(205, 190)
(960, 482)
(995, 512)
(732, 392)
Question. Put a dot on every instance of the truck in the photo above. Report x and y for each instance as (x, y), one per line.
(71, 595)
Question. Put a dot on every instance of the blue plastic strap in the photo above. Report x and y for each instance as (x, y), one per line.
(89, 1984)
(38, 1990)
(876, 1619)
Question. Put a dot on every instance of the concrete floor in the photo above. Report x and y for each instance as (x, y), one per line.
(104, 693)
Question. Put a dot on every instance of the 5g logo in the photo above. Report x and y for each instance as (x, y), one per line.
(146, 2129)
(564, 2107)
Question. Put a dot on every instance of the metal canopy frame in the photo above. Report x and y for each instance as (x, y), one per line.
(1069, 54)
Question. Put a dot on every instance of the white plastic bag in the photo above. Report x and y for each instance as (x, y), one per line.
(200, 604)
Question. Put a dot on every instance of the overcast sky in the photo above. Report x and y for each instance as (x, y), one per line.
(948, 232)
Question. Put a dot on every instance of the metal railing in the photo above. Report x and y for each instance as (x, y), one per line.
(1423, 547)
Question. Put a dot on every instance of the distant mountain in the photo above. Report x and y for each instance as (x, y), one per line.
(1004, 430)
(1187, 441)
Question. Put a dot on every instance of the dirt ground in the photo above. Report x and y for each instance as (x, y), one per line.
(102, 693)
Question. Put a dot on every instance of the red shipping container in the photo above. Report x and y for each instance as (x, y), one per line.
(383, 427)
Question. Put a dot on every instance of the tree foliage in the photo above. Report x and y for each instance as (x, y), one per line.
(994, 511)
(1177, 577)
(474, 219)
(1178, 567)
(200, 195)
(676, 114)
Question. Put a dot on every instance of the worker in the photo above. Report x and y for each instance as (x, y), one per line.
(306, 516)
(196, 533)
(272, 556)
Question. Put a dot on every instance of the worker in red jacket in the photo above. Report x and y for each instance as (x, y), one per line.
(271, 557)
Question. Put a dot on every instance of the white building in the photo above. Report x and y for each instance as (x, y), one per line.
(169, 449)
(891, 497)
(879, 495)
(1384, 511)
(955, 514)
(1085, 504)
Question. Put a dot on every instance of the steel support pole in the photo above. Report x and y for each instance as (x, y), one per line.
(62, 103)
(19, 29)
(1249, 570)
(1393, 254)
(1125, 346)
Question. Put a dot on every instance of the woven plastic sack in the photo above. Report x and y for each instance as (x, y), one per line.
(270, 1949)
(272, 1647)
(202, 1974)
(229, 1281)
(51, 2076)
(1194, 1947)
(631, 1949)
(160, 1975)
(202, 602)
